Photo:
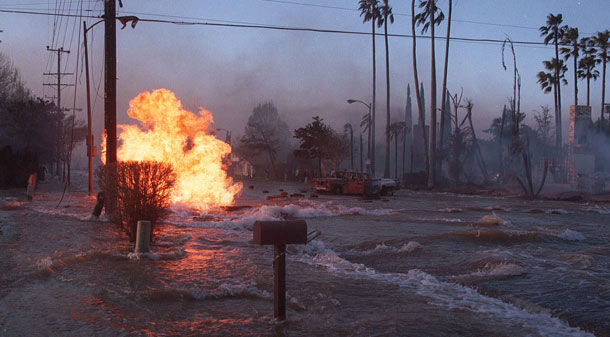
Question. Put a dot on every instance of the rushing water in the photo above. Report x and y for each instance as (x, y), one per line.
(414, 264)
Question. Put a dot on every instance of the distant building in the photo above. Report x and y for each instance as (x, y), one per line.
(581, 151)
(240, 167)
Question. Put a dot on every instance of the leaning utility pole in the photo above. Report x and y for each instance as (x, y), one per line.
(59, 85)
(110, 80)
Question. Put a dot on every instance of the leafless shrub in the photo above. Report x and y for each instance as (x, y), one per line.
(136, 191)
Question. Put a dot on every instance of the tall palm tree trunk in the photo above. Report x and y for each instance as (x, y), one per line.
(386, 172)
(444, 97)
(368, 145)
(372, 126)
(558, 140)
(588, 87)
(431, 175)
(396, 155)
(404, 153)
(361, 164)
(603, 90)
(575, 79)
(351, 146)
(420, 108)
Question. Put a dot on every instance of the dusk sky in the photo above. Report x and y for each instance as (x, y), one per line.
(231, 70)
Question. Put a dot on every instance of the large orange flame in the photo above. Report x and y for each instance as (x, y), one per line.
(169, 133)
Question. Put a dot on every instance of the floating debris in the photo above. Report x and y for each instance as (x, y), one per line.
(275, 197)
(234, 208)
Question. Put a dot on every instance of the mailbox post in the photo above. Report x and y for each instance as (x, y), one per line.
(279, 234)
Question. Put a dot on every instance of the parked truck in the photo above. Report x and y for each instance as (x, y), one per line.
(355, 183)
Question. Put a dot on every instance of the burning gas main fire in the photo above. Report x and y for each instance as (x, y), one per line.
(169, 133)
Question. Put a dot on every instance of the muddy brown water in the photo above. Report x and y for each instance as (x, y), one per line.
(414, 264)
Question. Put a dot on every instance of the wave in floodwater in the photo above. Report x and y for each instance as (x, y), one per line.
(495, 235)
(226, 289)
(492, 271)
(302, 209)
(382, 248)
(448, 295)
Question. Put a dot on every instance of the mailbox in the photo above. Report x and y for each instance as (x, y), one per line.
(280, 232)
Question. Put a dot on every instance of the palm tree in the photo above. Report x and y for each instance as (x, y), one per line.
(571, 38)
(365, 124)
(547, 80)
(602, 42)
(429, 17)
(396, 131)
(361, 164)
(386, 15)
(348, 127)
(408, 127)
(553, 32)
(420, 106)
(586, 66)
(444, 104)
(370, 10)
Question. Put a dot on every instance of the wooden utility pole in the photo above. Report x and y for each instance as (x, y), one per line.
(110, 80)
(89, 136)
(59, 85)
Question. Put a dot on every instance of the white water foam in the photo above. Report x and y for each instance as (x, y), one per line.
(449, 296)
(170, 255)
(495, 270)
(303, 209)
(409, 247)
(570, 235)
(451, 210)
(44, 263)
(383, 248)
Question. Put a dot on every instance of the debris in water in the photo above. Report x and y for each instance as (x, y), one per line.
(234, 208)
(275, 197)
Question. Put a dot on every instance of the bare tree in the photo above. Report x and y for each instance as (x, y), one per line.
(265, 132)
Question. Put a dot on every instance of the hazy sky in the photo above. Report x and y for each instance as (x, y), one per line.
(231, 70)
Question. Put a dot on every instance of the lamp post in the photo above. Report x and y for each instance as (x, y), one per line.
(370, 154)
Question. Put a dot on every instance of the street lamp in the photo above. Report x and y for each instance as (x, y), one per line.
(370, 161)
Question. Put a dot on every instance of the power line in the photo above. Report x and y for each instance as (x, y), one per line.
(286, 28)
(396, 14)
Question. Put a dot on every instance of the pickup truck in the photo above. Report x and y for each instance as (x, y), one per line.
(355, 183)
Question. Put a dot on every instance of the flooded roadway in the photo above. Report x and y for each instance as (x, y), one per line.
(414, 264)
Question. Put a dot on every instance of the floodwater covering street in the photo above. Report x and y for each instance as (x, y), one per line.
(412, 264)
